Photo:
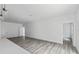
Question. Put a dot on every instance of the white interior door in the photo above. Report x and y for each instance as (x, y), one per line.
(22, 31)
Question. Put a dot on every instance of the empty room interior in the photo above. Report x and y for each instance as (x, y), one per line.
(39, 28)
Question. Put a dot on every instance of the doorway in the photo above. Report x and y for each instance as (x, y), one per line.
(68, 32)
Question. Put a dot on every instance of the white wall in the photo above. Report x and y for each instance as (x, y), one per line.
(50, 30)
(0, 29)
(77, 30)
(10, 29)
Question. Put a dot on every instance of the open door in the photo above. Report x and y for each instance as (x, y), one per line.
(68, 31)
(22, 32)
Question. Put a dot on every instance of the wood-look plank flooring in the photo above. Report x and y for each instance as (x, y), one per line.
(36, 46)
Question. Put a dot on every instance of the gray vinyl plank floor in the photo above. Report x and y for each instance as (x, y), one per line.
(36, 46)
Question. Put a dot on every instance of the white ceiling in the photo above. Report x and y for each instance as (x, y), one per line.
(32, 12)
